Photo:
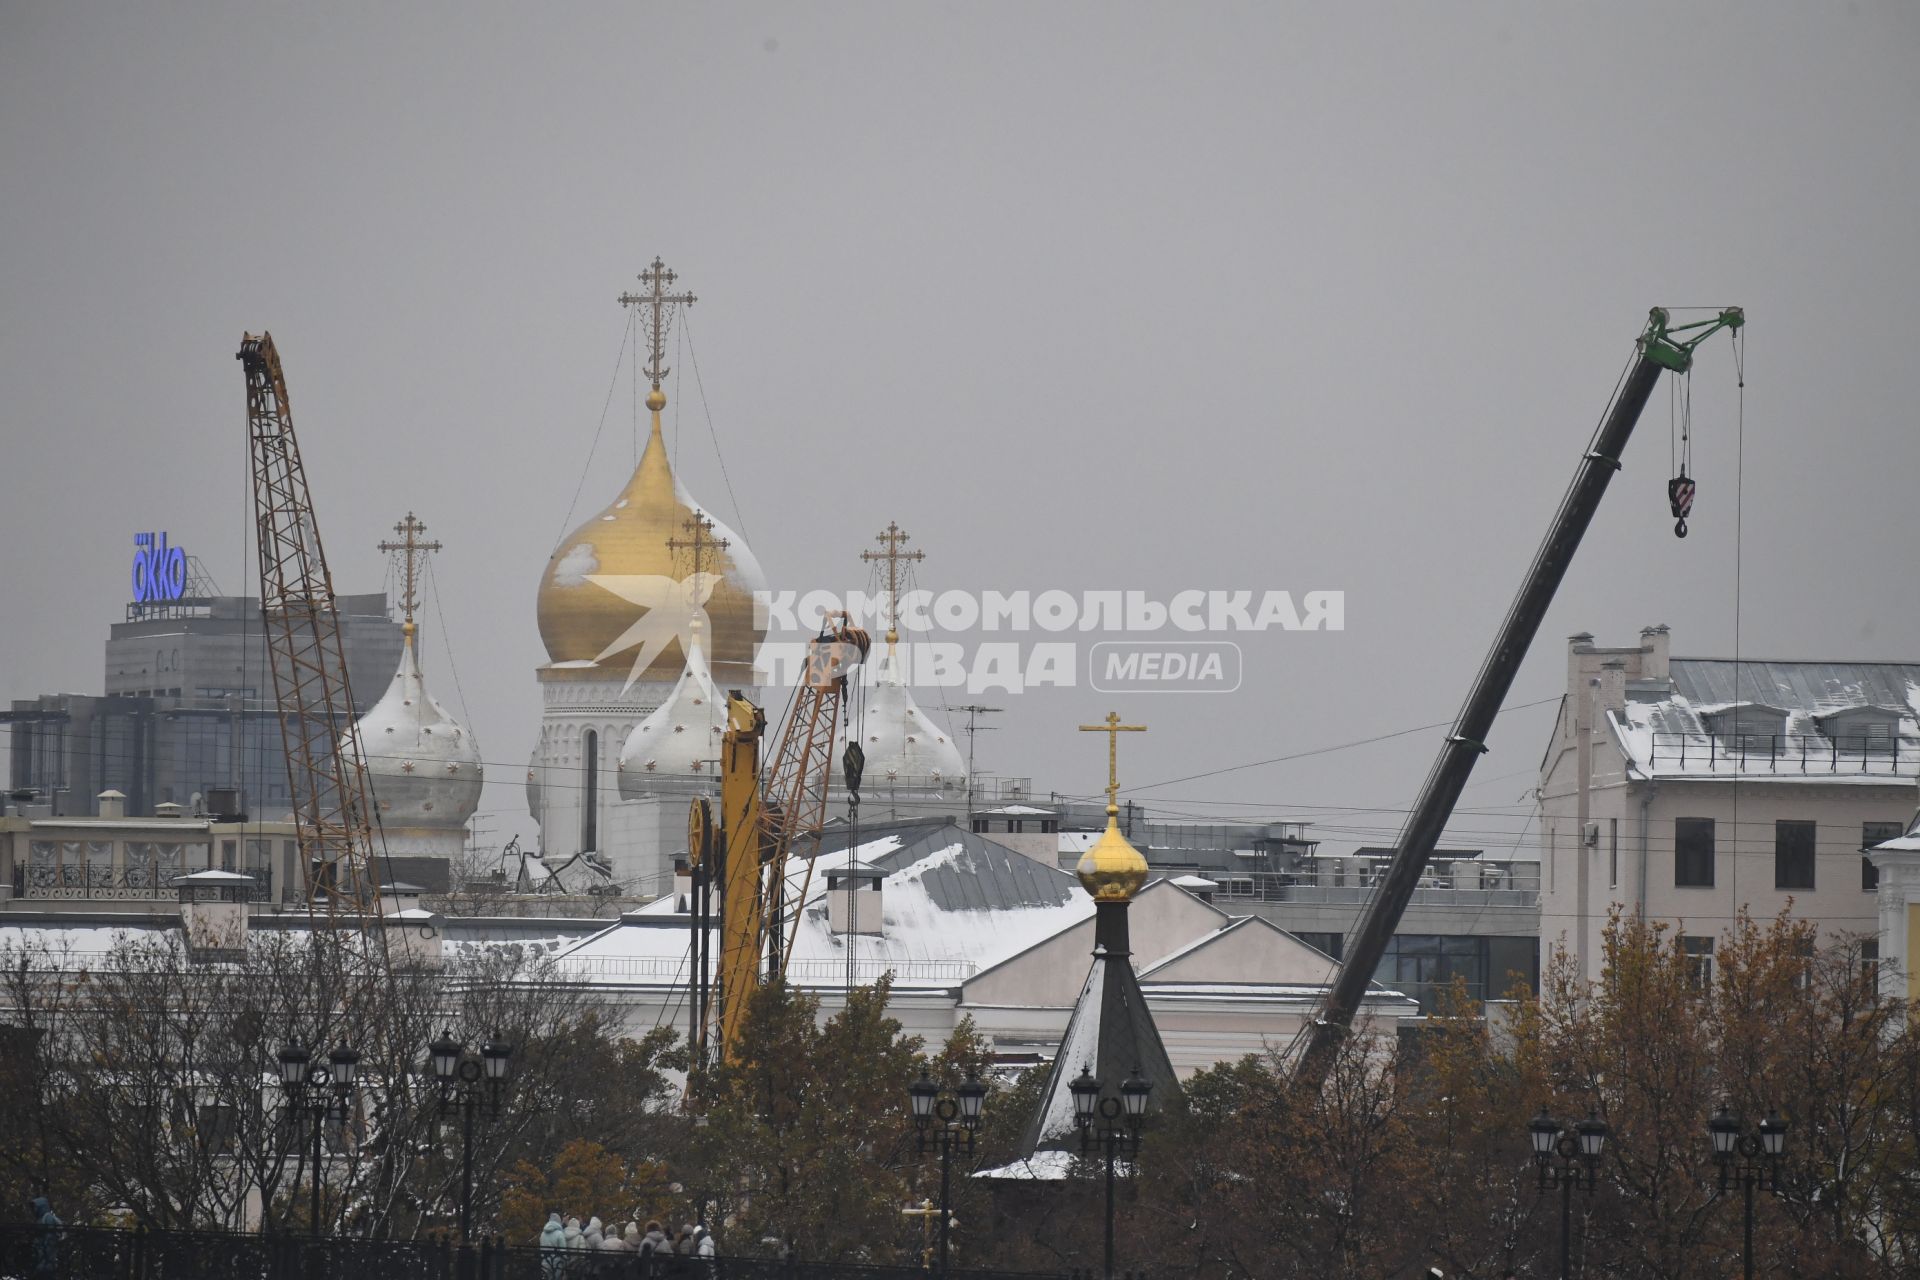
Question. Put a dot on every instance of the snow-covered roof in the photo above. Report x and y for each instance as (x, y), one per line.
(952, 903)
(1670, 734)
(1045, 1166)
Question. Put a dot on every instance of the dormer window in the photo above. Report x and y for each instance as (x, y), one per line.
(1865, 730)
(1747, 725)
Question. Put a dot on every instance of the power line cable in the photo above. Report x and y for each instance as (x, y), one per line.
(1321, 751)
(587, 468)
(739, 518)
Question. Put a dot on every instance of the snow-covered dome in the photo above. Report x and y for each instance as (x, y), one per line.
(423, 765)
(681, 739)
(903, 744)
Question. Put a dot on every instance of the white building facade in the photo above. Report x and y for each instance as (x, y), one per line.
(1691, 789)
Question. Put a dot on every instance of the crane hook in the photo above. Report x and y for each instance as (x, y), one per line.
(1680, 500)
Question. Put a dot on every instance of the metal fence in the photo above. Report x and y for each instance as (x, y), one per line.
(1793, 753)
(97, 1253)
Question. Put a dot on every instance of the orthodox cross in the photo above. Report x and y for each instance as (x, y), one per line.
(657, 315)
(926, 1212)
(892, 540)
(414, 555)
(699, 541)
(1112, 727)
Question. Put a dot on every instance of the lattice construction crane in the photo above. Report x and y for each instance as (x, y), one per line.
(765, 822)
(326, 774)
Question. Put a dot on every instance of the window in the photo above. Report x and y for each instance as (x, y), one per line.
(1872, 834)
(1693, 853)
(1870, 962)
(1613, 853)
(590, 808)
(1424, 966)
(1699, 953)
(1793, 854)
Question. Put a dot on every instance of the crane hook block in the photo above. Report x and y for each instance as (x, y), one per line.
(1680, 501)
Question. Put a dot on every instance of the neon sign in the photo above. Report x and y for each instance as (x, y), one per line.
(159, 571)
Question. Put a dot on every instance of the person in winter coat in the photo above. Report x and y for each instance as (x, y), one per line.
(591, 1237)
(553, 1244)
(654, 1246)
(573, 1233)
(632, 1235)
(703, 1246)
(46, 1240)
(683, 1241)
(612, 1243)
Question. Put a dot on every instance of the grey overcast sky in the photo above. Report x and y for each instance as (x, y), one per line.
(1085, 296)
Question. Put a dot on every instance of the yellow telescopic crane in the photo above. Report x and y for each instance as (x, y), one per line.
(764, 820)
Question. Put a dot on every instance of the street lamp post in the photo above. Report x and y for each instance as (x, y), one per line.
(1750, 1158)
(1567, 1158)
(934, 1120)
(469, 1083)
(317, 1090)
(1113, 1135)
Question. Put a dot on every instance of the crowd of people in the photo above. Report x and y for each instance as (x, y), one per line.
(567, 1248)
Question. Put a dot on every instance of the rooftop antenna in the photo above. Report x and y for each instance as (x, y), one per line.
(975, 711)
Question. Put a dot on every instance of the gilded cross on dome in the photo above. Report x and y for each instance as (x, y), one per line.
(892, 540)
(699, 542)
(413, 554)
(657, 317)
(1112, 727)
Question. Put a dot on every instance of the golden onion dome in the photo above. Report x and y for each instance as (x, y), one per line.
(1112, 870)
(605, 576)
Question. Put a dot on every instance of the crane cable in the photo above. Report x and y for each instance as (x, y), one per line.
(1680, 489)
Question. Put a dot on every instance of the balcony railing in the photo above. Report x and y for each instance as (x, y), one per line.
(1789, 753)
(115, 884)
(1510, 889)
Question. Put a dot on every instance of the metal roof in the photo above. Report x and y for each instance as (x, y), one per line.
(1795, 686)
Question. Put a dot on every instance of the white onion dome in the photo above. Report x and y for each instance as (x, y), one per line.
(902, 743)
(423, 766)
(681, 739)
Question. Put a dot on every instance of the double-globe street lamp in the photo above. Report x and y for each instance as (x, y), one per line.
(1567, 1158)
(948, 1124)
(1117, 1131)
(317, 1090)
(1749, 1157)
(469, 1083)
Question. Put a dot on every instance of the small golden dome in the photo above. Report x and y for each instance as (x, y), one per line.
(1112, 870)
(628, 540)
